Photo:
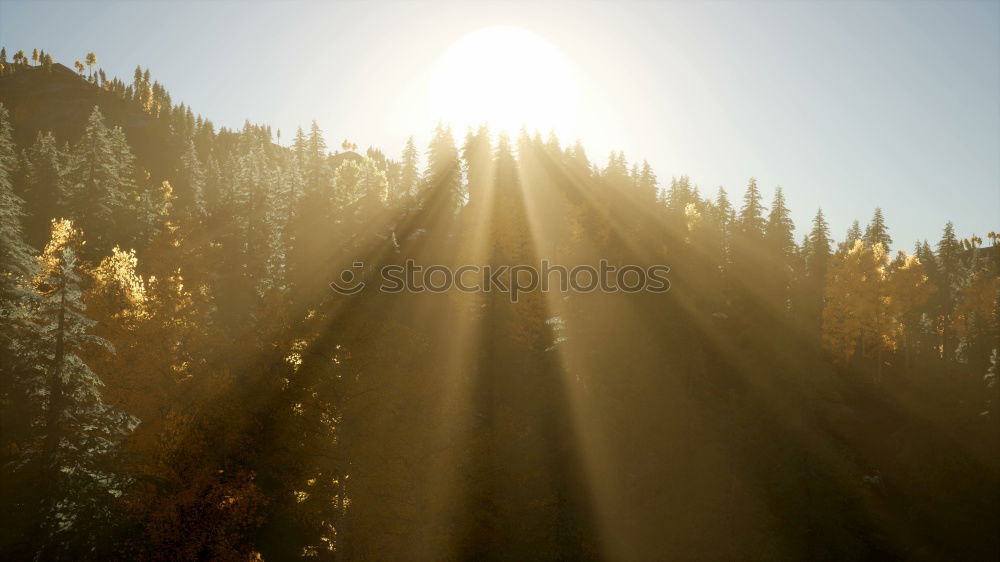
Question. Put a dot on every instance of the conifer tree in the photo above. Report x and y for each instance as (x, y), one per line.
(779, 228)
(79, 430)
(44, 187)
(478, 156)
(816, 255)
(948, 270)
(853, 235)
(877, 232)
(16, 261)
(299, 145)
(818, 248)
(257, 220)
(751, 218)
(95, 177)
(444, 173)
(949, 258)
(647, 184)
(190, 186)
(780, 251)
(726, 218)
(410, 174)
(318, 174)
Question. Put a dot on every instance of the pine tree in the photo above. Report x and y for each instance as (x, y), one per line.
(95, 179)
(877, 232)
(818, 248)
(780, 251)
(410, 175)
(478, 156)
(726, 218)
(751, 218)
(853, 235)
(444, 172)
(18, 410)
(299, 145)
(779, 229)
(293, 185)
(44, 187)
(16, 261)
(816, 253)
(949, 258)
(80, 431)
(317, 171)
(509, 224)
(949, 273)
(190, 186)
(256, 214)
(647, 184)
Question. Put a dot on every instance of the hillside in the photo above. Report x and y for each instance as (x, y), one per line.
(60, 101)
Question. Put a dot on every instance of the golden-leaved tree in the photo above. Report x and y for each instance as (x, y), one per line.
(857, 312)
(909, 290)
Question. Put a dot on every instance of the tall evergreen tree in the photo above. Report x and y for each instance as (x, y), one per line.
(16, 261)
(317, 171)
(478, 157)
(780, 252)
(94, 181)
(44, 187)
(853, 235)
(80, 432)
(647, 183)
(726, 217)
(751, 219)
(877, 232)
(410, 174)
(816, 253)
(189, 187)
(818, 248)
(779, 228)
(949, 273)
(444, 172)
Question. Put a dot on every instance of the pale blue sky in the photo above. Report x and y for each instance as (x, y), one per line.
(847, 105)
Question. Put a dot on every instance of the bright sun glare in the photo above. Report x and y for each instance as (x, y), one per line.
(506, 77)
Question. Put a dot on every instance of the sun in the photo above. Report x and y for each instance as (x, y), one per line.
(507, 77)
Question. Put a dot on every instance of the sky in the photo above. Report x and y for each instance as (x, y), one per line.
(846, 105)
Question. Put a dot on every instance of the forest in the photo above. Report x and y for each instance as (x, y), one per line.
(179, 382)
